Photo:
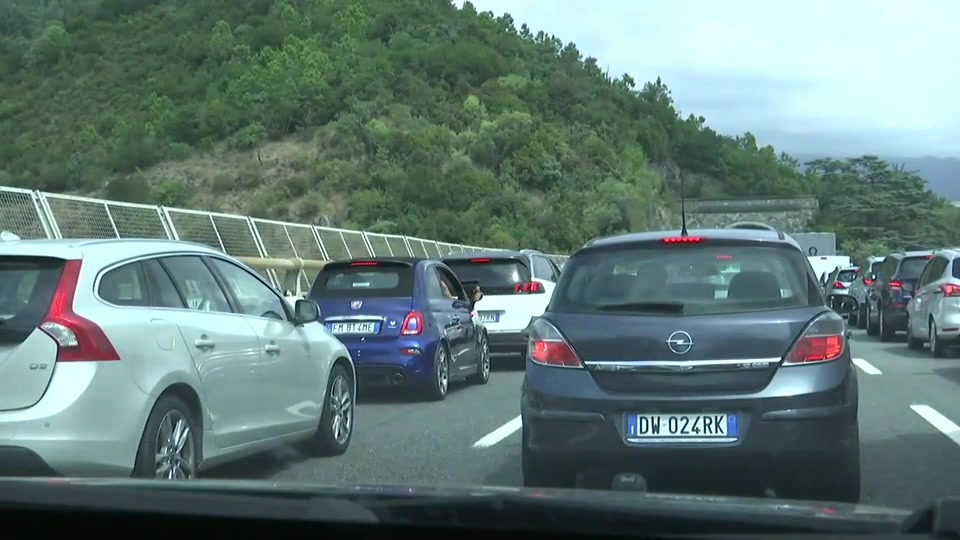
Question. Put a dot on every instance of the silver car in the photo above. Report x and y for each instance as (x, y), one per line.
(837, 288)
(933, 315)
(157, 359)
(858, 291)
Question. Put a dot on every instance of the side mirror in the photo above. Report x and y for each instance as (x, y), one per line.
(306, 311)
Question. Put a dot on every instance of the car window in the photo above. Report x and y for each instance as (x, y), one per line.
(253, 296)
(542, 268)
(706, 280)
(196, 284)
(163, 293)
(449, 285)
(364, 279)
(26, 289)
(125, 286)
(911, 267)
(847, 276)
(494, 276)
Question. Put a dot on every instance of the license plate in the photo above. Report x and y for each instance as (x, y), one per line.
(488, 316)
(354, 327)
(660, 428)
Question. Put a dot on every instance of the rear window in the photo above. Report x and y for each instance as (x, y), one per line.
(382, 280)
(494, 276)
(847, 276)
(26, 288)
(911, 267)
(706, 279)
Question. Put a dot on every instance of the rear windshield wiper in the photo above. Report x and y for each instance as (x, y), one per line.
(652, 307)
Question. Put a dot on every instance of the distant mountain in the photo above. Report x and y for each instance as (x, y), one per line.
(942, 174)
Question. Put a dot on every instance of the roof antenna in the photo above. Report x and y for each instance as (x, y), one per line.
(683, 209)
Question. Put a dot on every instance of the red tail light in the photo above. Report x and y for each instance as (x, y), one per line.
(824, 340)
(838, 285)
(412, 324)
(949, 289)
(724, 257)
(546, 346)
(867, 281)
(682, 240)
(894, 285)
(479, 261)
(531, 287)
(363, 263)
(78, 339)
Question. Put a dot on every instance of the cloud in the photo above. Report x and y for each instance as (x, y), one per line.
(862, 76)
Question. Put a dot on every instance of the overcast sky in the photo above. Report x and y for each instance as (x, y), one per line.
(821, 76)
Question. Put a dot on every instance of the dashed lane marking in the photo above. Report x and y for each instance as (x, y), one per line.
(499, 434)
(866, 367)
(942, 423)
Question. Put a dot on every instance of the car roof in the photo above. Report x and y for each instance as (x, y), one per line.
(412, 261)
(486, 253)
(916, 253)
(116, 248)
(769, 236)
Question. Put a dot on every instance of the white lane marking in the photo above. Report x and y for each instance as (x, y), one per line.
(866, 367)
(939, 421)
(499, 434)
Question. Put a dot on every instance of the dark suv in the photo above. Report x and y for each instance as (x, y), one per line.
(894, 281)
(706, 353)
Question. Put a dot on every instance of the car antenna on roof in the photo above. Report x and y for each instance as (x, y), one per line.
(683, 209)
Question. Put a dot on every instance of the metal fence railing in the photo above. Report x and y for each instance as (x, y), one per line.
(37, 214)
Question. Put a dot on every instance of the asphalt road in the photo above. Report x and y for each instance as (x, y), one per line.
(909, 442)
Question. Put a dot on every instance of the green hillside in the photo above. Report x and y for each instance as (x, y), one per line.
(406, 116)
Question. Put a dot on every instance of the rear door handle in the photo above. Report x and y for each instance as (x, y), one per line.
(271, 348)
(203, 343)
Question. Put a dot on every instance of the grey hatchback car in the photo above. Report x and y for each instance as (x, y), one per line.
(683, 356)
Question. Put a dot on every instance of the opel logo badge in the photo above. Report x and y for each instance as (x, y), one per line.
(680, 342)
(356, 304)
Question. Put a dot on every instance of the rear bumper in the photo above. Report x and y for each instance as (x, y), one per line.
(65, 434)
(394, 362)
(508, 341)
(796, 420)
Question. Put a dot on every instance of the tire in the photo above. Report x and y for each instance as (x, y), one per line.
(886, 333)
(853, 316)
(538, 472)
(938, 348)
(912, 342)
(439, 384)
(170, 416)
(873, 329)
(335, 429)
(836, 481)
(861, 317)
(482, 376)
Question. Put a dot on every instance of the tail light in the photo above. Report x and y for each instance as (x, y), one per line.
(894, 284)
(547, 346)
(949, 289)
(78, 339)
(867, 281)
(412, 324)
(838, 285)
(824, 340)
(363, 263)
(531, 287)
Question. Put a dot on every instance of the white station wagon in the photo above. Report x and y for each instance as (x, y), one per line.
(157, 359)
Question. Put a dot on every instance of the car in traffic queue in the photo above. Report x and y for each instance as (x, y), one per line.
(857, 292)
(933, 316)
(517, 286)
(647, 362)
(837, 289)
(892, 289)
(406, 322)
(157, 359)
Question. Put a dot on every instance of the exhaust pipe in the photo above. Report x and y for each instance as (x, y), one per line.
(396, 378)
